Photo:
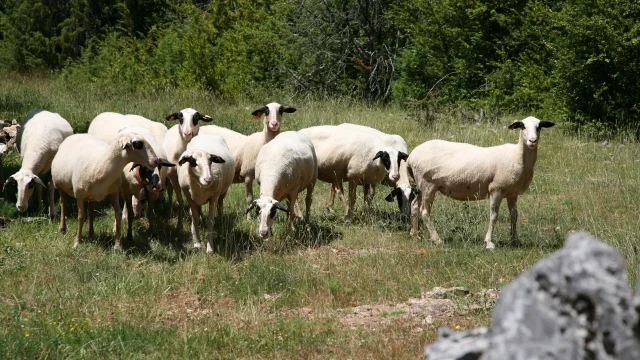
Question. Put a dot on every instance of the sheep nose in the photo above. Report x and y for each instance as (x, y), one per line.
(264, 233)
(533, 141)
(21, 208)
(187, 134)
(395, 177)
(207, 180)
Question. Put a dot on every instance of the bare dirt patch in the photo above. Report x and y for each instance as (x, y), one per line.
(181, 305)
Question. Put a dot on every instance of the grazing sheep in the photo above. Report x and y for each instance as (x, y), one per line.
(175, 143)
(247, 154)
(37, 140)
(89, 169)
(396, 142)
(205, 179)
(139, 184)
(285, 167)
(467, 172)
(347, 155)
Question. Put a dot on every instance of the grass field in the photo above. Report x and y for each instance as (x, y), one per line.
(285, 298)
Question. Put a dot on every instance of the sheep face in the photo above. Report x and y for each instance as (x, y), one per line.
(390, 159)
(25, 181)
(154, 177)
(266, 209)
(200, 164)
(137, 150)
(272, 115)
(530, 133)
(405, 195)
(189, 119)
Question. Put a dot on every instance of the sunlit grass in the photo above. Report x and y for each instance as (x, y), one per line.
(161, 298)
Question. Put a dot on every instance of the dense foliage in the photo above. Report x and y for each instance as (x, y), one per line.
(575, 60)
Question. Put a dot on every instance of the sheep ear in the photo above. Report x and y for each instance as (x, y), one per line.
(216, 159)
(175, 115)
(516, 125)
(186, 158)
(379, 154)
(125, 142)
(9, 181)
(251, 207)
(393, 194)
(206, 118)
(402, 156)
(546, 124)
(134, 167)
(257, 114)
(288, 109)
(280, 207)
(38, 181)
(166, 163)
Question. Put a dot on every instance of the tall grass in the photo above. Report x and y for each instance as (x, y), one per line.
(161, 298)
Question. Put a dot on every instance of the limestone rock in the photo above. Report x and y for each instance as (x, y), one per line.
(574, 304)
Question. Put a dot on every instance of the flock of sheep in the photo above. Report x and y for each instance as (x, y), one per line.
(133, 158)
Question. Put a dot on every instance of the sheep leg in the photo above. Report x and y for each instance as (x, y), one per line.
(63, 205)
(38, 203)
(427, 203)
(176, 186)
(513, 214)
(248, 193)
(220, 204)
(210, 223)
(353, 186)
(90, 215)
(332, 195)
(129, 204)
(52, 205)
(195, 231)
(293, 201)
(416, 207)
(308, 201)
(368, 195)
(81, 217)
(494, 206)
(340, 192)
(114, 199)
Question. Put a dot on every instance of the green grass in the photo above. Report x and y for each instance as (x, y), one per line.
(162, 299)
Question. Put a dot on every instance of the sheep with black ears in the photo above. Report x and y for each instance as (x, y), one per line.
(206, 171)
(245, 150)
(175, 143)
(467, 172)
(89, 169)
(285, 167)
(38, 140)
(356, 157)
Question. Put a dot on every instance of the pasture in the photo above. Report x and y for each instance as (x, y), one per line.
(287, 297)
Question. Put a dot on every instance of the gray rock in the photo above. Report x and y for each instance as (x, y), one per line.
(574, 304)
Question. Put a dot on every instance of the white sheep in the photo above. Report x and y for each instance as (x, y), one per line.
(175, 143)
(235, 141)
(139, 184)
(245, 152)
(285, 167)
(356, 157)
(38, 140)
(396, 142)
(467, 172)
(205, 178)
(89, 169)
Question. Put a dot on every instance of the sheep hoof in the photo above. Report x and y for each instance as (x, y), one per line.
(76, 244)
(330, 209)
(197, 245)
(437, 241)
(490, 245)
(209, 249)
(413, 233)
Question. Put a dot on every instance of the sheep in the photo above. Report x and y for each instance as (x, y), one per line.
(175, 143)
(467, 172)
(37, 140)
(90, 169)
(396, 142)
(285, 166)
(347, 155)
(245, 150)
(141, 185)
(205, 179)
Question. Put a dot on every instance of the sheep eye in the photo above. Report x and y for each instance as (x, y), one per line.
(266, 111)
(257, 211)
(272, 213)
(30, 184)
(137, 144)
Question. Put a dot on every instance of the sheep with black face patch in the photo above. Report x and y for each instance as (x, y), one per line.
(139, 185)
(467, 172)
(38, 140)
(90, 169)
(175, 143)
(355, 157)
(285, 167)
(205, 172)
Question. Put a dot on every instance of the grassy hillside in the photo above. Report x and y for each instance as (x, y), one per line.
(284, 298)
